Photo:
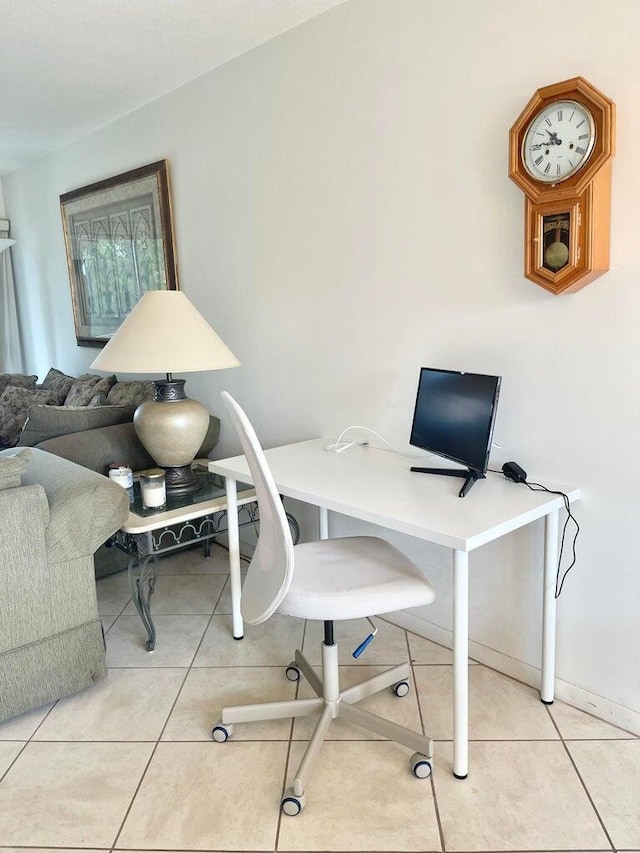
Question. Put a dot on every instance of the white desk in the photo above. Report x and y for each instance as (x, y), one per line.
(377, 486)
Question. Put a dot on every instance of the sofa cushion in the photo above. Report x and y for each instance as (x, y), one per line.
(58, 382)
(44, 422)
(85, 387)
(19, 380)
(12, 467)
(99, 448)
(131, 393)
(14, 404)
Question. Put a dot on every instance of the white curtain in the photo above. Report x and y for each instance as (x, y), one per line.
(11, 357)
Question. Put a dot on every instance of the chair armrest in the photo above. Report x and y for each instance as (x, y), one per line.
(24, 575)
(23, 510)
(85, 508)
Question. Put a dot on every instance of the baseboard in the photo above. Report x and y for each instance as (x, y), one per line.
(578, 697)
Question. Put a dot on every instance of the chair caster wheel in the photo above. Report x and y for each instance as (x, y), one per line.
(420, 766)
(221, 733)
(400, 688)
(292, 672)
(291, 804)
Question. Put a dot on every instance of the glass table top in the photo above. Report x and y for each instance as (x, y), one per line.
(212, 486)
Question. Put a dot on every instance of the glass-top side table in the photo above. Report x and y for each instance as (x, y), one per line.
(184, 521)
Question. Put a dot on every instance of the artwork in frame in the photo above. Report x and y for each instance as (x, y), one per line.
(119, 243)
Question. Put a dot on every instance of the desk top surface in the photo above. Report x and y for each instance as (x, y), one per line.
(377, 486)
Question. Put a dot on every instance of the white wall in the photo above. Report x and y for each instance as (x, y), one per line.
(343, 216)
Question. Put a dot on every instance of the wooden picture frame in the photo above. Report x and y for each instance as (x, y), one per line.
(119, 242)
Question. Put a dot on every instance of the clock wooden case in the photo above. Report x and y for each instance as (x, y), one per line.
(560, 151)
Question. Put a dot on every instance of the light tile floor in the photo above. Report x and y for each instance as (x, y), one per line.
(129, 764)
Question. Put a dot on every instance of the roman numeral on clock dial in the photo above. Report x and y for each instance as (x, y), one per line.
(558, 141)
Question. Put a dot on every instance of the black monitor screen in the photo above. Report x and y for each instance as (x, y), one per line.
(454, 415)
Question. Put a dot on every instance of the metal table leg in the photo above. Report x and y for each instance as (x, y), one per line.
(144, 548)
(142, 576)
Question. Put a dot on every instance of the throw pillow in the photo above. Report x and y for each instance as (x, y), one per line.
(19, 380)
(14, 404)
(131, 393)
(97, 400)
(12, 467)
(58, 382)
(86, 387)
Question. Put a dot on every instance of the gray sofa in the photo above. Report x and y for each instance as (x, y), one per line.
(54, 514)
(60, 404)
(78, 429)
(97, 448)
(93, 438)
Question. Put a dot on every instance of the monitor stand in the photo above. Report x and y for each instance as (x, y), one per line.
(470, 475)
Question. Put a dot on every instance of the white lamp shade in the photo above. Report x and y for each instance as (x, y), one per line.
(5, 242)
(164, 333)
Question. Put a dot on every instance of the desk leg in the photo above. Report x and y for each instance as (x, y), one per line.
(549, 607)
(460, 664)
(234, 557)
(323, 522)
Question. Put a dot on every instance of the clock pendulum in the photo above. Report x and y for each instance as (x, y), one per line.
(556, 242)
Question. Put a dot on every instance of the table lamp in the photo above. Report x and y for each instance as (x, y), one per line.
(165, 333)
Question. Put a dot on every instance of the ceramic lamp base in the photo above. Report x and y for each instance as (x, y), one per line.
(172, 428)
(181, 480)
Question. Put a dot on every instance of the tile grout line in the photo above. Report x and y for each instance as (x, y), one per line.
(424, 732)
(118, 615)
(255, 850)
(289, 746)
(191, 666)
(158, 740)
(632, 735)
(26, 743)
(578, 774)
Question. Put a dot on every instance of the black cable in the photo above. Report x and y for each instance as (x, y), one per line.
(538, 487)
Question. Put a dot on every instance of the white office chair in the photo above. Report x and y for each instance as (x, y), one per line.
(346, 578)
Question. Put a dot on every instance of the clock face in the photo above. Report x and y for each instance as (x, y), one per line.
(558, 142)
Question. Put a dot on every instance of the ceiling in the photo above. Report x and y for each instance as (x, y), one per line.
(70, 66)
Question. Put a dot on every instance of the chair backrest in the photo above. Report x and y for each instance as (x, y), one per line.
(271, 569)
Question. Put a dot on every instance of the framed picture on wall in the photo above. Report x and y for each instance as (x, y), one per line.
(119, 241)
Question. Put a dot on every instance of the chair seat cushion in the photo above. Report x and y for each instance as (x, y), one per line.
(352, 577)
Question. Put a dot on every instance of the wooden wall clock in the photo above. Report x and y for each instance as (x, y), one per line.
(560, 151)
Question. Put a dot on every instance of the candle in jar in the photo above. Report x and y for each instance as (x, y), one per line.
(152, 488)
(121, 474)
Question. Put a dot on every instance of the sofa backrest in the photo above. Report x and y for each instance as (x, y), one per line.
(45, 422)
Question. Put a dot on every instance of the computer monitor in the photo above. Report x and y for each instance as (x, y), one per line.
(454, 417)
